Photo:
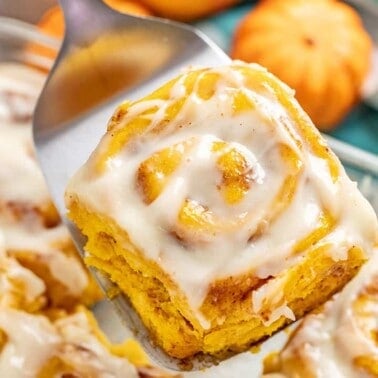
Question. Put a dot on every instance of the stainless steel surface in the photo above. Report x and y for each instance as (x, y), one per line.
(106, 56)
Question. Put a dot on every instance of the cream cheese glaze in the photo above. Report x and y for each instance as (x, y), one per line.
(257, 135)
(330, 343)
(16, 281)
(48, 245)
(22, 183)
(32, 340)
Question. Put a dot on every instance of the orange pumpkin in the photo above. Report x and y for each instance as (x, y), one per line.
(187, 10)
(318, 47)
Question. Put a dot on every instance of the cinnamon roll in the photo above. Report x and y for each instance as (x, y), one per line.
(339, 341)
(219, 210)
(68, 346)
(35, 242)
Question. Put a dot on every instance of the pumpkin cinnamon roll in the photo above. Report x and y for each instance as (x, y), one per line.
(35, 241)
(218, 209)
(66, 346)
(339, 341)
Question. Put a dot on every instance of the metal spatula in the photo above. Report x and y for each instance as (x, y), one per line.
(107, 57)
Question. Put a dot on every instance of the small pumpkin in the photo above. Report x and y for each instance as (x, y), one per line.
(318, 47)
(187, 10)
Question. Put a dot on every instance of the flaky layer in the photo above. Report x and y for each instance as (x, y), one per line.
(234, 323)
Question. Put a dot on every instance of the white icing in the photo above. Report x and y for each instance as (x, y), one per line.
(31, 286)
(22, 183)
(271, 292)
(30, 342)
(13, 275)
(33, 340)
(256, 134)
(328, 342)
(47, 243)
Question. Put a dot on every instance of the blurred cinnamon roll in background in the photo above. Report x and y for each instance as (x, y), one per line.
(218, 209)
(66, 346)
(339, 341)
(35, 242)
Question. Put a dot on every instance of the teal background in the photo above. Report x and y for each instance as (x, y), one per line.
(359, 128)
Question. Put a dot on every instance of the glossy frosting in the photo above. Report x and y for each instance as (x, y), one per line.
(32, 341)
(292, 185)
(16, 282)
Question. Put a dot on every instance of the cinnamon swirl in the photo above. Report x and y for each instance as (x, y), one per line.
(218, 209)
